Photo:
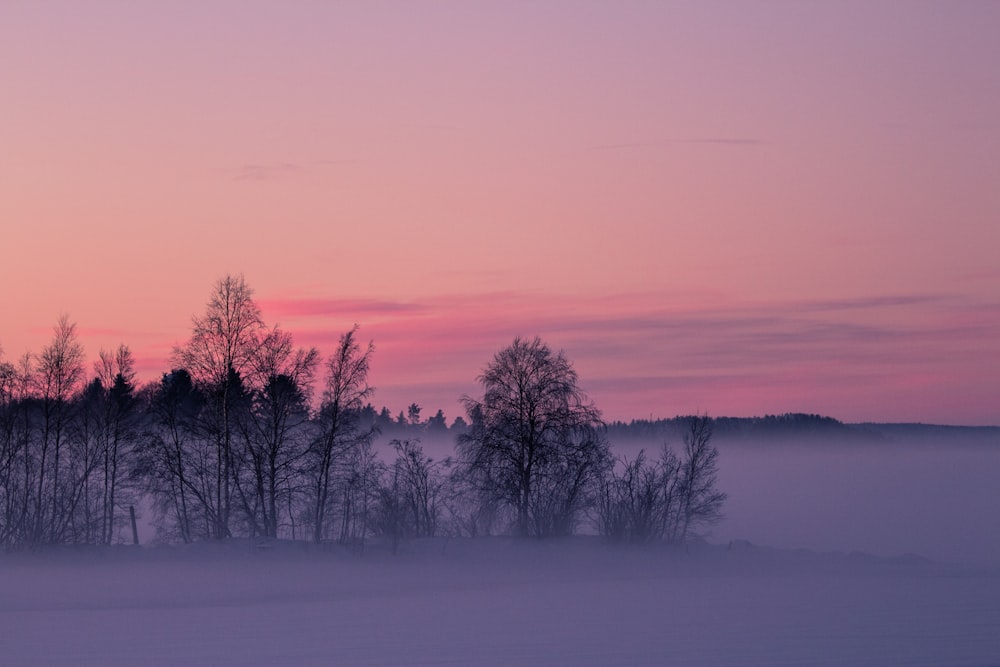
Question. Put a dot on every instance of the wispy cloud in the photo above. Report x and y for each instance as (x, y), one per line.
(332, 163)
(265, 172)
(270, 171)
(726, 141)
(311, 307)
(94, 332)
(885, 301)
(721, 141)
(983, 275)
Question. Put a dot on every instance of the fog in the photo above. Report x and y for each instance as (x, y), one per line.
(936, 499)
(780, 581)
(929, 492)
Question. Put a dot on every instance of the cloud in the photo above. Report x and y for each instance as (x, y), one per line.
(721, 141)
(270, 171)
(117, 332)
(330, 163)
(86, 332)
(885, 301)
(265, 172)
(311, 307)
(726, 141)
(982, 275)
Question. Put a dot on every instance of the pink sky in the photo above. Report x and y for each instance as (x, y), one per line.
(739, 208)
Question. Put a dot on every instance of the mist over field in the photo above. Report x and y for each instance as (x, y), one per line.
(886, 491)
(936, 499)
(870, 552)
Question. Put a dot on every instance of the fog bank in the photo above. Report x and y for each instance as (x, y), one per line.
(936, 499)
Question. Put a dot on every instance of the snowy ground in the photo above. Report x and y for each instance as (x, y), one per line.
(495, 602)
(578, 602)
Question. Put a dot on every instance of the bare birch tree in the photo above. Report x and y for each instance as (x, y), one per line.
(118, 430)
(338, 455)
(219, 352)
(58, 376)
(282, 381)
(701, 502)
(668, 499)
(411, 496)
(536, 443)
(169, 463)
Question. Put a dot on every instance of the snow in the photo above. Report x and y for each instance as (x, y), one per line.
(495, 602)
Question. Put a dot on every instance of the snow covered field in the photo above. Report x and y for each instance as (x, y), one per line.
(498, 601)
(495, 602)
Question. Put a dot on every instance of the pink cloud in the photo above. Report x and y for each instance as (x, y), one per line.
(310, 307)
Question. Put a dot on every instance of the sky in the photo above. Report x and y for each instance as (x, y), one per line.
(734, 208)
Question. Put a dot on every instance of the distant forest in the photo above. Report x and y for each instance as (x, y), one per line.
(248, 435)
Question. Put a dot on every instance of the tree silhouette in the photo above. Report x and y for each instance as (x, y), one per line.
(701, 501)
(668, 499)
(220, 350)
(279, 421)
(536, 443)
(171, 463)
(334, 453)
(59, 374)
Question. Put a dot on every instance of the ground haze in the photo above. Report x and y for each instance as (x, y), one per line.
(900, 566)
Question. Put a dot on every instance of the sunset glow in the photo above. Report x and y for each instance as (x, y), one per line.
(737, 209)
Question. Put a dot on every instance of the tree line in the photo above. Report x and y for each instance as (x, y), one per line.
(250, 436)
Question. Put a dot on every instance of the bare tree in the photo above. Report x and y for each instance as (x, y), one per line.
(220, 351)
(279, 423)
(700, 501)
(59, 374)
(667, 499)
(87, 439)
(536, 443)
(19, 412)
(169, 463)
(336, 453)
(640, 499)
(360, 478)
(225, 337)
(471, 509)
(13, 445)
(411, 494)
(118, 429)
(64, 444)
